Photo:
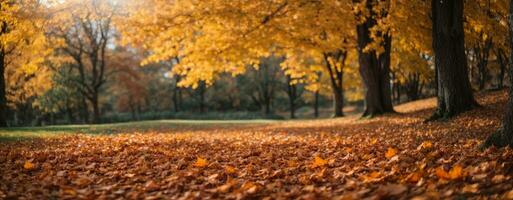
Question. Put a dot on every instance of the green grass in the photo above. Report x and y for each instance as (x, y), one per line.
(24, 133)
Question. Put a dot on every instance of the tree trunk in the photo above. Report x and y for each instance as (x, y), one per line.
(85, 110)
(96, 109)
(316, 104)
(454, 90)
(292, 93)
(374, 70)
(502, 64)
(176, 95)
(267, 102)
(482, 53)
(3, 98)
(504, 136)
(202, 107)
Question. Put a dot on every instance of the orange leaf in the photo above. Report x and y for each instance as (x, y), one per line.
(456, 172)
(28, 165)
(441, 173)
(230, 169)
(391, 152)
(414, 177)
(200, 162)
(319, 162)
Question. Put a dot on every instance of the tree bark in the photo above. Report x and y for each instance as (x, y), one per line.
(96, 108)
(201, 90)
(374, 70)
(504, 136)
(316, 104)
(454, 90)
(3, 98)
(176, 95)
(482, 53)
(336, 77)
(292, 93)
(85, 110)
(503, 65)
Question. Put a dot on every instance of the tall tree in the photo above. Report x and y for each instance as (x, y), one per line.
(374, 63)
(454, 92)
(86, 31)
(23, 50)
(504, 136)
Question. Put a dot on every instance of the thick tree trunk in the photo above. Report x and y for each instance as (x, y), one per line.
(85, 110)
(338, 103)
(96, 109)
(374, 70)
(454, 91)
(3, 98)
(504, 136)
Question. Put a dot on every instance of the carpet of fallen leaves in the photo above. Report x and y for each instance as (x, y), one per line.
(391, 157)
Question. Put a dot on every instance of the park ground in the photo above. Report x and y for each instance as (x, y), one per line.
(397, 156)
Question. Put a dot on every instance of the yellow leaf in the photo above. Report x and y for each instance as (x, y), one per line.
(200, 162)
(230, 169)
(28, 165)
(425, 145)
(391, 152)
(319, 162)
(374, 141)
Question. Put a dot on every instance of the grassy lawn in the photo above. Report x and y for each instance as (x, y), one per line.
(22, 133)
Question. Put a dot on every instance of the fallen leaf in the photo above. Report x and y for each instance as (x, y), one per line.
(29, 165)
(200, 162)
(319, 162)
(473, 188)
(391, 152)
(230, 170)
(425, 145)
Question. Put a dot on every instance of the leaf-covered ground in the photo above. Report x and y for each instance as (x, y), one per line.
(392, 157)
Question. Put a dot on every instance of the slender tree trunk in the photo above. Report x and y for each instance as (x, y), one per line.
(454, 91)
(3, 98)
(69, 111)
(337, 80)
(316, 104)
(176, 95)
(292, 93)
(482, 54)
(504, 136)
(503, 64)
(267, 102)
(202, 107)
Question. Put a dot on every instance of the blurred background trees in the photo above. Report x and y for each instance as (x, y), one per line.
(93, 61)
